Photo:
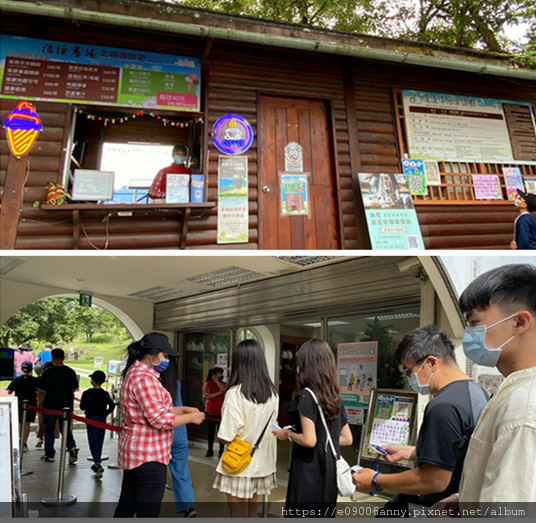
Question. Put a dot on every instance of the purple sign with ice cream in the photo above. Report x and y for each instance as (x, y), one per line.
(232, 134)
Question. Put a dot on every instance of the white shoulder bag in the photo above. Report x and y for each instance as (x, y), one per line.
(344, 474)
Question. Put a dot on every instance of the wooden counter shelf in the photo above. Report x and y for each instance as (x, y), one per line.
(184, 209)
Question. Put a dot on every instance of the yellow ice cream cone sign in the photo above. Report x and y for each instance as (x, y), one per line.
(22, 129)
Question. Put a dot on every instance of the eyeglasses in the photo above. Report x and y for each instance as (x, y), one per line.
(408, 371)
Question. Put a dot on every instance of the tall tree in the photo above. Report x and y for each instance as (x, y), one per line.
(43, 321)
(53, 320)
(461, 23)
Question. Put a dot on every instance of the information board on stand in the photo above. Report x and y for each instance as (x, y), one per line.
(391, 419)
(10, 487)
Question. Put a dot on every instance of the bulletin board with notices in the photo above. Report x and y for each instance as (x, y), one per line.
(391, 419)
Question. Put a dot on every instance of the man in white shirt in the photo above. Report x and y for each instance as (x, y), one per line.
(500, 309)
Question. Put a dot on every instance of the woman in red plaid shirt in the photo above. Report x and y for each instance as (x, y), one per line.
(148, 418)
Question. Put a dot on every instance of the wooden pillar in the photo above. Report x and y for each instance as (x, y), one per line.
(363, 239)
(12, 201)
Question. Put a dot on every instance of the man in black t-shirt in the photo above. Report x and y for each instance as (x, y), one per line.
(97, 404)
(427, 355)
(24, 387)
(59, 383)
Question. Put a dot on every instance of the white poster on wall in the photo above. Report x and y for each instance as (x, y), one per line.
(468, 129)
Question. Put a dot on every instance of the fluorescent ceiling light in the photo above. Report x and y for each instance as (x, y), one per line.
(397, 316)
(158, 293)
(303, 261)
(8, 264)
(228, 276)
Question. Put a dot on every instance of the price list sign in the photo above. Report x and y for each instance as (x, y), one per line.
(66, 72)
(29, 78)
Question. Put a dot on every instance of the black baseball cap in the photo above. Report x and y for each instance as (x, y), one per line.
(157, 340)
(26, 366)
(98, 376)
(529, 199)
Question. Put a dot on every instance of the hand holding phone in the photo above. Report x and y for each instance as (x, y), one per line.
(376, 449)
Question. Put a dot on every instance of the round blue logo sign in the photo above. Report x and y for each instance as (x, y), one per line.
(232, 134)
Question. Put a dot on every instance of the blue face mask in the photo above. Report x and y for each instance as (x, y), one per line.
(179, 159)
(414, 382)
(162, 366)
(475, 348)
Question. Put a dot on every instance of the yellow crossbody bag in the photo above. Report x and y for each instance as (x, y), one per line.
(239, 453)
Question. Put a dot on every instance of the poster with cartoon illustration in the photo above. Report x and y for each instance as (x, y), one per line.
(357, 369)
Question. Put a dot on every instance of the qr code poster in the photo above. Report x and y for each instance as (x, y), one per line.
(391, 218)
(391, 419)
(414, 170)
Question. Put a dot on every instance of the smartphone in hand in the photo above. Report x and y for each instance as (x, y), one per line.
(376, 449)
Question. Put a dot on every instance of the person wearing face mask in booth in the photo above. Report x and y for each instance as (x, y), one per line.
(148, 419)
(157, 190)
(500, 309)
(427, 355)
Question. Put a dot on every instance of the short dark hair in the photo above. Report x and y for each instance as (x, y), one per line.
(180, 147)
(425, 341)
(58, 354)
(508, 287)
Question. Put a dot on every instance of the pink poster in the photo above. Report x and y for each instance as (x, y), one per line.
(487, 187)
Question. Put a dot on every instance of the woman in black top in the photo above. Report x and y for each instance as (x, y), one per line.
(312, 483)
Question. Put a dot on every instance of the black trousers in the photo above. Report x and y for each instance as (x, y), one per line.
(142, 491)
(212, 428)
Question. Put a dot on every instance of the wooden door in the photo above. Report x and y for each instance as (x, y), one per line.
(285, 121)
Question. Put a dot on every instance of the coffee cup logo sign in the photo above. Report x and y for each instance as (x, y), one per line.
(232, 134)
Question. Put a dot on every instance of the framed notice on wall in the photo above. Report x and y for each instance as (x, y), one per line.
(391, 418)
(468, 129)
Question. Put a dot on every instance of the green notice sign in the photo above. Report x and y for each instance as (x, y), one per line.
(85, 300)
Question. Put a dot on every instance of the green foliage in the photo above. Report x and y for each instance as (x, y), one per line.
(461, 23)
(55, 320)
(45, 320)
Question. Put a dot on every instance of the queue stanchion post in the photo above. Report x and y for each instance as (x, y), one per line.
(116, 465)
(23, 432)
(61, 499)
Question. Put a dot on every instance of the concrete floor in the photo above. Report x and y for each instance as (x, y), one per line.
(98, 497)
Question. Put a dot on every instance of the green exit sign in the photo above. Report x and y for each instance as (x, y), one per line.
(85, 300)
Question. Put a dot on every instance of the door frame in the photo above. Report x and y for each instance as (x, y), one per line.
(335, 158)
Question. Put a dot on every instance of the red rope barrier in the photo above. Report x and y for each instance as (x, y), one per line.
(95, 423)
(59, 413)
